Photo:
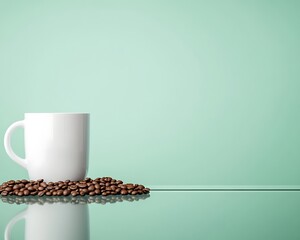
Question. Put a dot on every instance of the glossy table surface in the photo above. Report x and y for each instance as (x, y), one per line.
(206, 214)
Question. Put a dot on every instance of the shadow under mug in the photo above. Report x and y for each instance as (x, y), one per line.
(59, 221)
(56, 145)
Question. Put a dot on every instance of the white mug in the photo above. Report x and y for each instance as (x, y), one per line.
(59, 221)
(56, 145)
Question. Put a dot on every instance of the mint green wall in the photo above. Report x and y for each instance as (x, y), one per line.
(180, 92)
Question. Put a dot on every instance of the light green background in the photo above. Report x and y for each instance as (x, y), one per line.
(180, 92)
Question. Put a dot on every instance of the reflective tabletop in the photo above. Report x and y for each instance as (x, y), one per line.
(208, 214)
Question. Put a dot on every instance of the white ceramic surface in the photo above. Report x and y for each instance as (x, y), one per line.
(56, 145)
(59, 221)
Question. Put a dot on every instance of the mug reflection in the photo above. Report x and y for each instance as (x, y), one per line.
(60, 218)
(53, 221)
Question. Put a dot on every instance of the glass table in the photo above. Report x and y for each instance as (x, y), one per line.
(198, 214)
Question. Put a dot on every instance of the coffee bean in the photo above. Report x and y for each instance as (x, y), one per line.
(41, 193)
(73, 187)
(74, 193)
(4, 193)
(20, 193)
(140, 187)
(129, 186)
(124, 192)
(60, 192)
(97, 191)
(100, 186)
(66, 192)
(26, 192)
(11, 182)
(82, 185)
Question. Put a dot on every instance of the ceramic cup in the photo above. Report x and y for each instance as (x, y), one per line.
(56, 145)
(59, 221)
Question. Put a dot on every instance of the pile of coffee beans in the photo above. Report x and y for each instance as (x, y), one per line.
(100, 186)
(98, 199)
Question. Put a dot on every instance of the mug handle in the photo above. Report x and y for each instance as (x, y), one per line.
(7, 145)
(12, 222)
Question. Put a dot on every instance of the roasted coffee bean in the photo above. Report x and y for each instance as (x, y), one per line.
(26, 192)
(73, 187)
(140, 187)
(60, 192)
(4, 193)
(66, 192)
(74, 193)
(124, 192)
(20, 193)
(82, 185)
(41, 193)
(129, 186)
(97, 191)
(100, 186)
(84, 190)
